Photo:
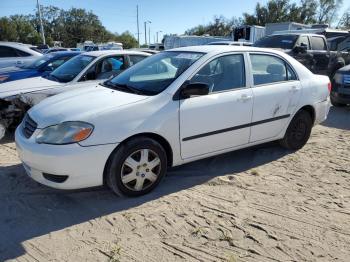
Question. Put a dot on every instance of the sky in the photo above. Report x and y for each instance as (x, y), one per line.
(168, 16)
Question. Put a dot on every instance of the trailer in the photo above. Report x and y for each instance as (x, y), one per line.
(248, 33)
(272, 28)
(174, 41)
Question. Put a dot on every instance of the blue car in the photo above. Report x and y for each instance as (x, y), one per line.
(39, 67)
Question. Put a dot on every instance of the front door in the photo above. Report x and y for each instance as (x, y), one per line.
(276, 93)
(320, 54)
(219, 120)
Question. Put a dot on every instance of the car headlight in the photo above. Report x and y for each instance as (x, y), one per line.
(65, 133)
(338, 78)
(3, 78)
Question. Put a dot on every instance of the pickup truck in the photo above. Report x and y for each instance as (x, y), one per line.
(311, 50)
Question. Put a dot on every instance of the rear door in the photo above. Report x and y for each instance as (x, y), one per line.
(321, 56)
(276, 93)
(219, 120)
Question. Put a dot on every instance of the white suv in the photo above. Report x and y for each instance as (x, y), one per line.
(12, 54)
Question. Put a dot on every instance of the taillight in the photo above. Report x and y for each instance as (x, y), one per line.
(329, 86)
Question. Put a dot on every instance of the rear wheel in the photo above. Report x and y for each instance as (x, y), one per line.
(298, 131)
(136, 167)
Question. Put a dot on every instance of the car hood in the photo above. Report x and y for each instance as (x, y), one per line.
(345, 69)
(80, 105)
(26, 85)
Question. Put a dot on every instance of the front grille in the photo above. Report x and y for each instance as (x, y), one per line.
(28, 126)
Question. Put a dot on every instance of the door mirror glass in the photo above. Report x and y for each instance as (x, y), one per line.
(195, 89)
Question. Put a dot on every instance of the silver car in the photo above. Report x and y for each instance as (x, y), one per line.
(16, 54)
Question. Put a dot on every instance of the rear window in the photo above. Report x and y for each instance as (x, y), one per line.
(318, 43)
(277, 41)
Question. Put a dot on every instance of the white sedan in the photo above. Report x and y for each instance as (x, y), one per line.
(172, 108)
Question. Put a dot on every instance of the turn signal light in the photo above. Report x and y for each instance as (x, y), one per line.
(82, 135)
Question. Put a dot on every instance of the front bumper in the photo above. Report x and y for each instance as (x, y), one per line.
(84, 166)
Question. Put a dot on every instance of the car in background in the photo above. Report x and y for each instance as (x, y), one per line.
(55, 49)
(43, 65)
(311, 50)
(12, 54)
(17, 97)
(235, 43)
(340, 95)
(145, 50)
(172, 108)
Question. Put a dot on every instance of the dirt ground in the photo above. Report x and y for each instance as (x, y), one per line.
(259, 204)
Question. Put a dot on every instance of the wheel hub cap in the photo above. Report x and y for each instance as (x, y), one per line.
(140, 169)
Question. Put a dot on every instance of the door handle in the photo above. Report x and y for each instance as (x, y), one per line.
(19, 62)
(245, 98)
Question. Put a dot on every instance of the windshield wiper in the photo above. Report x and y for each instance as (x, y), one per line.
(122, 87)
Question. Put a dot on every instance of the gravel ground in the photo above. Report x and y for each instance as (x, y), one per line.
(258, 204)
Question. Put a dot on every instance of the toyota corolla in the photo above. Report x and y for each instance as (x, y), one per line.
(171, 108)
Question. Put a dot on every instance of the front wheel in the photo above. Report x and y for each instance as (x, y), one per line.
(136, 167)
(298, 131)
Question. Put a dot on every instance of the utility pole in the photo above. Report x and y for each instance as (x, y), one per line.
(157, 35)
(145, 33)
(138, 26)
(149, 22)
(149, 34)
(41, 23)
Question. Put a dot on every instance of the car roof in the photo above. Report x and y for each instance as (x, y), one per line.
(114, 52)
(220, 49)
(64, 53)
(296, 33)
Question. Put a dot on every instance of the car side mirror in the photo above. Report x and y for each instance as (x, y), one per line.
(195, 89)
(49, 68)
(90, 76)
(300, 48)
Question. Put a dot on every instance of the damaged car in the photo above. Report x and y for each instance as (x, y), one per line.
(17, 97)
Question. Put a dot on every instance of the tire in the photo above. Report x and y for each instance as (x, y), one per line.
(128, 168)
(336, 104)
(298, 131)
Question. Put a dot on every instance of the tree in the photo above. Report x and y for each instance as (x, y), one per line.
(219, 27)
(127, 39)
(327, 11)
(344, 21)
(306, 12)
(7, 30)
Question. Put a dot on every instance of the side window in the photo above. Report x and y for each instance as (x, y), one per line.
(22, 53)
(6, 51)
(107, 67)
(303, 41)
(223, 73)
(268, 69)
(318, 43)
(291, 76)
(134, 59)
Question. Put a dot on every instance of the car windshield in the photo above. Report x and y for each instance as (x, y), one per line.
(40, 61)
(154, 74)
(69, 70)
(277, 41)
